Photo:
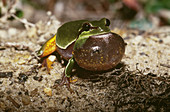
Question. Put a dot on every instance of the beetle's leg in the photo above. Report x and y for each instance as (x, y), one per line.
(48, 48)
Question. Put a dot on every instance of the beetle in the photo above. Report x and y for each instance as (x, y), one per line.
(90, 44)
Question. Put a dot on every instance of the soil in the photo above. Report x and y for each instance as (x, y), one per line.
(141, 82)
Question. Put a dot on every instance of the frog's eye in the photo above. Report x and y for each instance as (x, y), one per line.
(86, 27)
(107, 22)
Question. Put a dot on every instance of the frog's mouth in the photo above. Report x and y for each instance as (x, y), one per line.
(91, 28)
(94, 27)
(102, 35)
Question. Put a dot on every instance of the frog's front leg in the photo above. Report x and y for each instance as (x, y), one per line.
(66, 76)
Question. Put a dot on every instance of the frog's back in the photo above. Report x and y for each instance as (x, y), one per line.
(68, 33)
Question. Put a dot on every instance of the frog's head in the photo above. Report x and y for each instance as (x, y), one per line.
(90, 28)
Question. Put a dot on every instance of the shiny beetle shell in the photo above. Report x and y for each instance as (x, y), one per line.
(100, 52)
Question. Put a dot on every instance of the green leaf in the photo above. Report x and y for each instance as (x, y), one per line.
(19, 13)
(153, 6)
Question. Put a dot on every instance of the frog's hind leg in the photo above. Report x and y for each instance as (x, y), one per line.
(48, 61)
(48, 48)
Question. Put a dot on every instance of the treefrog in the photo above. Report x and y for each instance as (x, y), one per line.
(90, 44)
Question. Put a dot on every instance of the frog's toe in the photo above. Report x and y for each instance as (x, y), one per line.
(73, 80)
(66, 81)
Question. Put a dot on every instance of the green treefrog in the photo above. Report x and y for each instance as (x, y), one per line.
(90, 44)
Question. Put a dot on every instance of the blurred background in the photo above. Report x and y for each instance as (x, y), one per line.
(141, 14)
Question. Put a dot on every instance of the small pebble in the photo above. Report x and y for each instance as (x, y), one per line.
(48, 91)
(34, 92)
(52, 58)
(26, 100)
(2, 105)
(21, 61)
(6, 74)
(38, 78)
(51, 103)
(22, 77)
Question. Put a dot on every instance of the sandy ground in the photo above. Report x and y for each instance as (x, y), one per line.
(141, 82)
